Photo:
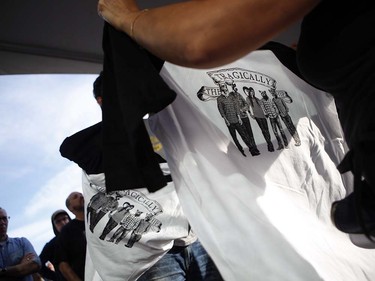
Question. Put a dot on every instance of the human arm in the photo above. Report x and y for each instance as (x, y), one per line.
(37, 277)
(46, 257)
(204, 33)
(285, 105)
(263, 108)
(275, 108)
(50, 266)
(239, 119)
(29, 264)
(221, 108)
(238, 106)
(287, 98)
(251, 113)
(68, 272)
(70, 252)
(250, 108)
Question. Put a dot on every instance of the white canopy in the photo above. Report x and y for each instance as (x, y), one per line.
(51, 36)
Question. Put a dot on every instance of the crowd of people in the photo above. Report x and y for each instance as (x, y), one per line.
(62, 258)
(334, 54)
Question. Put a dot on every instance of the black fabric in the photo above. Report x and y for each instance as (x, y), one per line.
(85, 149)
(48, 254)
(348, 218)
(71, 246)
(132, 88)
(285, 54)
(336, 53)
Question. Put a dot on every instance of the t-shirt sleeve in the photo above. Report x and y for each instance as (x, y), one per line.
(28, 248)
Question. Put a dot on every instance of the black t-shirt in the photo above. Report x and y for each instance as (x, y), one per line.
(71, 246)
(336, 53)
(48, 254)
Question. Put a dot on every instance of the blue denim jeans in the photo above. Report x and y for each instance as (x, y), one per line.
(191, 263)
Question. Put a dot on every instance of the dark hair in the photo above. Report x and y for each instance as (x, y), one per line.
(97, 86)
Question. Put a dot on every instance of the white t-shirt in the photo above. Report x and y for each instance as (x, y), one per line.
(149, 222)
(264, 217)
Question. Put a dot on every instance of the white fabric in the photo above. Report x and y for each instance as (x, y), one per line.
(264, 217)
(115, 262)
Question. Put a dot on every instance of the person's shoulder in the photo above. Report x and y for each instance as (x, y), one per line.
(70, 226)
(67, 231)
(52, 242)
(50, 245)
(66, 228)
(21, 242)
(18, 240)
(285, 54)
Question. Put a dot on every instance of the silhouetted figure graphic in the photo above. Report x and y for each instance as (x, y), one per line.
(245, 120)
(271, 112)
(284, 114)
(128, 223)
(256, 112)
(115, 218)
(145, 225)
(230, 111)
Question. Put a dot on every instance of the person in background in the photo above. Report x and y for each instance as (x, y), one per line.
(49, 269)
(70, 252)
(186, 260)
(335, 53)
(18, 258)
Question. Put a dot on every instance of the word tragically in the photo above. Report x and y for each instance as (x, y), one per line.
(242, 75)
(138, 197)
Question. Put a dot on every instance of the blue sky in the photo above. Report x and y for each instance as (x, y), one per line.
(37, 112)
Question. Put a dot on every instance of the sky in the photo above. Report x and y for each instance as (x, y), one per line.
(37, 112)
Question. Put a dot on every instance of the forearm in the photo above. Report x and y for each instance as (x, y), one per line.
(47, 273)
(21, 269)
(68, 272)
(209, 33)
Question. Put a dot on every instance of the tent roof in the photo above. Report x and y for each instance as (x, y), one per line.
(50, 36)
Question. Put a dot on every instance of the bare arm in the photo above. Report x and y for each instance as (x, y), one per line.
(68, 272)
(205, 33)
(27, 266)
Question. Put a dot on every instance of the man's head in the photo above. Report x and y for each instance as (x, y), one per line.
(128, 206)
(59, 219)
(264, 95)
(273, 92)
(75, 202)
(249, 91)
(3, 224)
(98, 88)
(234, 87)
(223, 88)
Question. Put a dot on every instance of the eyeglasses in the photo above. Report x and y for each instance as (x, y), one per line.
(4, 219)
